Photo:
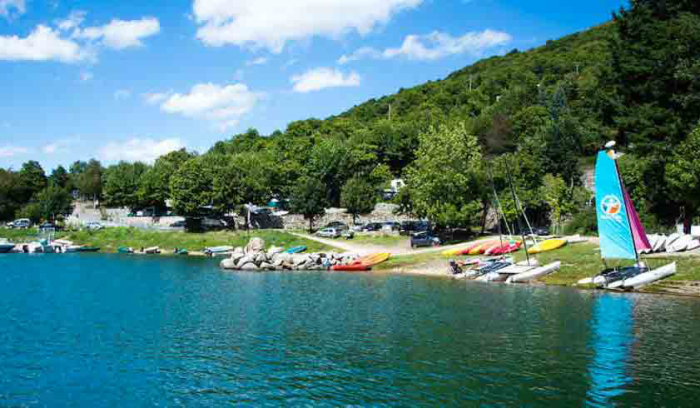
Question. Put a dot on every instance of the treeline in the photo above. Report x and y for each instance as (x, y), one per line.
(544, 112)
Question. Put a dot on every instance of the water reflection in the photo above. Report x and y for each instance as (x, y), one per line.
(611, 340)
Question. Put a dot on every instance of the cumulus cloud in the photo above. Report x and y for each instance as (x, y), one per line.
(222, 105)
(8, 8)
(155, 98)
(434, 46)
(137, 149)
(322, 78)
(120, 34)
(69, 43)
(11, 151)
(42, 44)
(271, 24)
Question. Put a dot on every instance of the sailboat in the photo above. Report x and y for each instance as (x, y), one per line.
(621, 233)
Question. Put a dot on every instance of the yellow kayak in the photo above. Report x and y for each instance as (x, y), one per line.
(455, 251)
(374, 259)
(548, 245)
(480, 249)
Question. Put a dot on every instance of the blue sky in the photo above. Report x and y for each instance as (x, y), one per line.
(132, 79)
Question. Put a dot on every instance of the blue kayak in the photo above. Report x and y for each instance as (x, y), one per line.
(296, 250)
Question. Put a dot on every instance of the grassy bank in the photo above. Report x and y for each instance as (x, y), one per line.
(110, 239)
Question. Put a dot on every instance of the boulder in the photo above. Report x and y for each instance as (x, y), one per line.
(255, 246)
(239, 250)
(228, 263)
(250, 267)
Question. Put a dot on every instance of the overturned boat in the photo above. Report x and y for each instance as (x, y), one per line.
(622, 235)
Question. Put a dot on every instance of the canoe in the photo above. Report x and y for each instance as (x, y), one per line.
(295, 250)
(548, 245)
(535, 273)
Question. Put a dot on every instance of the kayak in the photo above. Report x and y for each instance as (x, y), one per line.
(125, 250)
(548, 245)
(507, 248)
(87, 249)
(295, 250)
(372, 260)
(351, 268)
(214, 250)
(481, 248)
(181, 251)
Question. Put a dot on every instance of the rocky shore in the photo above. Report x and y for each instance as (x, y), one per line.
(254, 257)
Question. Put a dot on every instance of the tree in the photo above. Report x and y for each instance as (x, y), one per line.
(359, 197)
(59, 177)
(89, 182)
(191, 186)
(9, 194)
(309, 199)
(154, 185)
(32, 179)
(683, 174)
(331, 162)
(53, 201)
(121, 183)
(444, 179)
(241, 179)
(656, 63)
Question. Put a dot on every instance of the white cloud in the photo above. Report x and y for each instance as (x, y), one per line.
(86, 76)
(271, 24)
(155, 98)
(434, 46)
(223, 105)
(256, 61)
(120, 34)
(122, 94)
(137, 149)
(74, 20)
(10, 7)
(321, 78)
(59, 146)
(42, 44)
(11, 151)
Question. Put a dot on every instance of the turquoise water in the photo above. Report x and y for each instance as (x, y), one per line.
(127, 331)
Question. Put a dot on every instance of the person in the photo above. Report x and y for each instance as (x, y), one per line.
(455, 267)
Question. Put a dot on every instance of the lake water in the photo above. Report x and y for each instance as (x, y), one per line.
(128, 331)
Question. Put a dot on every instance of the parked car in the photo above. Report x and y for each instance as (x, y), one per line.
(391, 226)
(541, 231)
(178, 224)
(93, 226)
(214, 224)
(424, 239)
(372, 226)
(22, 223)
(49, 225)
(328, 233)
(337, 225)
(410, 227)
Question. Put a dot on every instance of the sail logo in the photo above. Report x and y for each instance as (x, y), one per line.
(611, 206)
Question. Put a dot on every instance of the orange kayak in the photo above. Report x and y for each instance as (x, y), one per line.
(351, 268)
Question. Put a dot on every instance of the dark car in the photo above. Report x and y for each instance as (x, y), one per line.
(178, 224)
(541, 231)
(341, 226)
(410, 227)
(373, 226)
(424, 239)
(213, 224)
(391, 226)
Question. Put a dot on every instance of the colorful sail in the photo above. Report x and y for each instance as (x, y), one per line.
(614, 230)
(641, 241)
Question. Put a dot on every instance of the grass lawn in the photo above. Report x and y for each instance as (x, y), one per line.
(110, 239)
(383, 240)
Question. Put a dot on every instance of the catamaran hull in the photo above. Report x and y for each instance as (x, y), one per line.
(535, 273)
(647, 278)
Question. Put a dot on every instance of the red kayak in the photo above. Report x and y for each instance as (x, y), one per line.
(507, 249)
(357, 267)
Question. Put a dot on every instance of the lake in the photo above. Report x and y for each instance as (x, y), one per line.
(88, 330)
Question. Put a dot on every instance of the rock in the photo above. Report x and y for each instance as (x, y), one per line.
(300, 259)
(255, 245)
(250, 267)
(228, 263)
(249, 258)
(266, 266)
(239, 250)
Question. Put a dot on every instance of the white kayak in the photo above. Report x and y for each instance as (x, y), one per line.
(646, 278)
(680, 245)
(671, 239)
(660, 244)
(535, 273)
(693, 245)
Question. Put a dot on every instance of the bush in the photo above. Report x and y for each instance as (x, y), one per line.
(584, 223)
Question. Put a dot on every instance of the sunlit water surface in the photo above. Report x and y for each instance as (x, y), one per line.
(127, 331)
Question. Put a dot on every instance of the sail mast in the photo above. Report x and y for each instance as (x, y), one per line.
(515, 202)
(498, 204)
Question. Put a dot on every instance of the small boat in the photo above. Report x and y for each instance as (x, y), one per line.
(296, 249)
(6, 246)
(181, 251)
(125, 250)
(507, 248)
(693, 245)
(680, 244)
(576, 239)
(546, 246)
(621, 233)
(481, 248)
(218, 249)
(363, 264)
(152, 250)
(351, 268)
(87, 249)
(535, 273)
(659, 245)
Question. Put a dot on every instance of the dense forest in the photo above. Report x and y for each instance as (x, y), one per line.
(538, 115)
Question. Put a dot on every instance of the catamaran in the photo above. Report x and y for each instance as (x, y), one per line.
(621, 233)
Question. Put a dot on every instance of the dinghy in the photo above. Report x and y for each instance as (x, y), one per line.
(622, 235)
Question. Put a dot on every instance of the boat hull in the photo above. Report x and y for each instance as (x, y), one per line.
(535, 273)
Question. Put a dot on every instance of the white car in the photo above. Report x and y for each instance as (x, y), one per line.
(94, 226)
(328, 233)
